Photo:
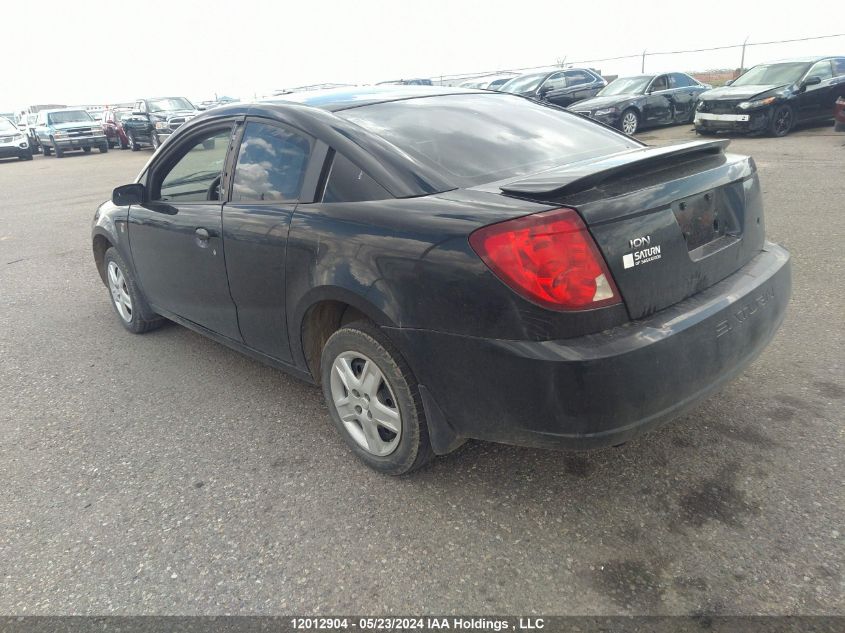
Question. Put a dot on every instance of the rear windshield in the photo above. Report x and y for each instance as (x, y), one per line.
(479, 138)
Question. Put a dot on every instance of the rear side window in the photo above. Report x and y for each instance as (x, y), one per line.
(578, 77)
(271, 164)
(476, 138)
(680, 80)
(839, 66)
(349, 183)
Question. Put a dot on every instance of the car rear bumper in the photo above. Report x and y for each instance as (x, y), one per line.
(605, 388)
(754, 121)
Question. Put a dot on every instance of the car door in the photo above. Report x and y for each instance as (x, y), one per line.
(276, 167)
(683, 96)
(657, 108)
(175, 236)
(817, 100)
(581, 85)
(554, 90)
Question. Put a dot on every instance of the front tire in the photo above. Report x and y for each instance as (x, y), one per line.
(629, 122)
(129, 304)
(27, 155)
(104, 149)
(783, 119)
(133, 142)
(154, 139)
(59, 151)
(373, 399)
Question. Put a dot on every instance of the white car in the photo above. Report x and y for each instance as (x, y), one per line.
(490, 82)
(13, 141)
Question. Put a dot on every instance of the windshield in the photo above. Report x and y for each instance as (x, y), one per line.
(6, 125)
(69, 116)
(478, 138)
(625, 85)
(772, 74)
(526, 83)
(170, 103)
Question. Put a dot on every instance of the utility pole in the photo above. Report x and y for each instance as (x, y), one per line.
(642, 67)
(742, 61)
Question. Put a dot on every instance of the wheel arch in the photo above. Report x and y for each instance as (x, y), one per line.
(319, 314)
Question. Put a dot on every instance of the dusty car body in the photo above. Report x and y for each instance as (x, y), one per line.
(441, 276)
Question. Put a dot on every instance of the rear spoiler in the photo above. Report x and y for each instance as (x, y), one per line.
(581, 176)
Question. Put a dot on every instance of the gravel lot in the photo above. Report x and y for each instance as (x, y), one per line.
(166, 474)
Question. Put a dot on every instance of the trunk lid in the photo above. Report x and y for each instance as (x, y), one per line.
(669, 221)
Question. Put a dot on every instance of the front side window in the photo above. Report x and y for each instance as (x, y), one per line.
(660, 83)
(349, 183)
(271, 164)
(555, 82)
(822, 70)
(196, 175)
(478, 138)
(69, 116)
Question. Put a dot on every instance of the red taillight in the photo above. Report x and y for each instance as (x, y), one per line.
(549, 258)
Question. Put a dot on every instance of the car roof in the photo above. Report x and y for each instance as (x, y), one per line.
(797, 60)
(335, 99)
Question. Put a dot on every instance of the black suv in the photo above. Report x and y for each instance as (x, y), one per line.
(560, 87)
(153, 120)
(772, 98)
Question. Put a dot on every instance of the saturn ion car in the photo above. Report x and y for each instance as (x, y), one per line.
(451, 264)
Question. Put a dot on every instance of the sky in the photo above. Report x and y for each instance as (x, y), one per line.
(247, 48)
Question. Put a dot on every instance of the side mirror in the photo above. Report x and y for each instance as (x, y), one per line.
(729, 82)
(125, 195)
(138, 113)
(811, 81)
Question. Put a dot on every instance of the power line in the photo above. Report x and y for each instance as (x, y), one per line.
(639, 55)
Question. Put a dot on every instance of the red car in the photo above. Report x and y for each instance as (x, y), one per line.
(839, 115)
(113, 127)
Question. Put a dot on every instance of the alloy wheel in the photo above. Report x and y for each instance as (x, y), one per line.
(783, 121)
(119, 292)
(629, 123)
(365, 403)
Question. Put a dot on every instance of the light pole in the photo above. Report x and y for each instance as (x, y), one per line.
(742, 61)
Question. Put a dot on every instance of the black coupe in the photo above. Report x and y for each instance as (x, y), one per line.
(452, 264)
(632, 103)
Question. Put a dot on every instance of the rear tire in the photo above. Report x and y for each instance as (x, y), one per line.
(782, 121)
(128, 302)
(373, 399)
(629, 122)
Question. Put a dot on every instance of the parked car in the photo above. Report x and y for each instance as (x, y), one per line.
(405, 82)
(67, 130)
(839, 115)
(561, 87)
(771, 98)
(27, 123)
(488, 82)
(13, 141)
(443, 275)
(632, 103)
(113, 126)
(153, 120)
